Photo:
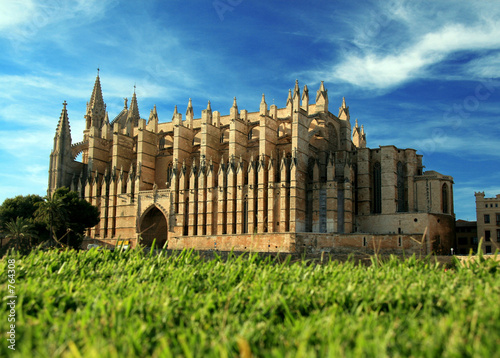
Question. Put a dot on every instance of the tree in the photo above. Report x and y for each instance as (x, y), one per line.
(23, 207)
(22, 231)
(52, 212)
(66, 215)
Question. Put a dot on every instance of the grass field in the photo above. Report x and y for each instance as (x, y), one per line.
(131, 304)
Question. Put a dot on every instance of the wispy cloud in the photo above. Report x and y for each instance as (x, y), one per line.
(380, 71)
(400, 41)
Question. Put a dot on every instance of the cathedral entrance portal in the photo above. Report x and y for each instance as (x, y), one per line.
(154, 226)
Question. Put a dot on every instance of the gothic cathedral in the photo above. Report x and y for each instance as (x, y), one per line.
(290, 179)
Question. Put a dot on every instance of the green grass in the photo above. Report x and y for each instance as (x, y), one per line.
(130, 304)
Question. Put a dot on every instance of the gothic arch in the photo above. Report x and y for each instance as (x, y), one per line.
(153, 226)
(377, 188)
(444, 198)
(333, 137)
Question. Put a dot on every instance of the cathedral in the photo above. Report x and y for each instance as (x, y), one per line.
(293, 179)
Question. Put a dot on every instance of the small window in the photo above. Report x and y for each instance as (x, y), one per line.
(488, 249)
(364, 241)
(400, 241)
(486, 218)
(475, 241)
(498, 219)
(498, 235)
(487, 235)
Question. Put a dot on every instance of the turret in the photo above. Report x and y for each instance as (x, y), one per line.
(358, 136)
(189, 114)
(153, 121)
(234, 110)
(289, 104)
(305, 99)
(263, 106)
(206, 114)
(296, 96)
(133, 114)
(322, 99)
(177, 118)
(61, 157)
(344, 111)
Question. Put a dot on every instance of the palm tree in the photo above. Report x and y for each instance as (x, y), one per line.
(20, 229)
(52, 211)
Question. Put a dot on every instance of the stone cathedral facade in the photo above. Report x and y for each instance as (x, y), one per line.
(291, 179)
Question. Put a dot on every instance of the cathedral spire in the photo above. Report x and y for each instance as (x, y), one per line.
(133, 111)
(62, 139)
(96, 108)
(61, 153)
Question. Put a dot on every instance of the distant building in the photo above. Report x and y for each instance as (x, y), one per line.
(488, 221)
(290, 179)
(466, 232)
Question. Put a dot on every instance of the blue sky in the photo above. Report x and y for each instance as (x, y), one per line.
(416, 74)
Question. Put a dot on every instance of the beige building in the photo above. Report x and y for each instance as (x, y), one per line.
(488, 221)
(466, 235)
(290, 179)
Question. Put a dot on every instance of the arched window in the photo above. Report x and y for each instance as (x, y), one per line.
(401, 188)
(250, 134)
(222, 137)
(333, 139)
(444, 198)
(377, 188)
(245, 215)
(309, 194)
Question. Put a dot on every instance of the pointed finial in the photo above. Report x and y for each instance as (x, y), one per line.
(134, 88)
(362, 129)
(98, 71)
(234, 102)
(356, 125)
(125, 99)
(343, 103)
(175, 110)
(263, 98)
(64, 104)
(209, 106)
(322, 86)
(154, 109)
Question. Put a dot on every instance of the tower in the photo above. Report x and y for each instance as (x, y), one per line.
(60, 157)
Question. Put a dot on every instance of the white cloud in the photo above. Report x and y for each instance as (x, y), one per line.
(485, 67)
(22, 20)
(380, 71)
(14, 13)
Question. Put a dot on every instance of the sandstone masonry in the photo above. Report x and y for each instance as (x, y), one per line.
(290, 179)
